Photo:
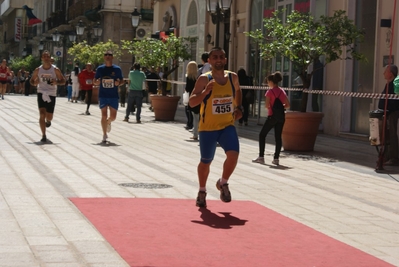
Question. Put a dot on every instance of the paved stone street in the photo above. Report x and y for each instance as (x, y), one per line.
(334, 189)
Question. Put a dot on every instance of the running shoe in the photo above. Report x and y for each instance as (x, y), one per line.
(126, 119)
(108, 127)
(44, 139)
(276, 162)
(105, 138)
(260, 160)
(201, 199)
(48, 124)
(87, 112)
(225, 195)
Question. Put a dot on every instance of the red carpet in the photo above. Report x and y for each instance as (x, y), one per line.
(173, 232)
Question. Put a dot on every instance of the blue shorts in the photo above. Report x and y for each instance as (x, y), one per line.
(227, 138)
(112, 102)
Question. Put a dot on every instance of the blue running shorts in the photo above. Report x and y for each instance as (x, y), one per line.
(112, 102)
(208, 140)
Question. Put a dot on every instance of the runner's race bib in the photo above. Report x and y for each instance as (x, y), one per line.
(108, 83)
(222, 105)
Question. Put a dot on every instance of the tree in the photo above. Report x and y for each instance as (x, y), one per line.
(83, 52)
(30, 63)
(303, 39)
(159, 53)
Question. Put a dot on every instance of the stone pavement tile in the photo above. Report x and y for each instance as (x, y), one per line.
(12, 238)
(55, 254)
(101, 258)
(46, 240)
(68, 264)
(18, 260)
(76, 230)
(4, 249)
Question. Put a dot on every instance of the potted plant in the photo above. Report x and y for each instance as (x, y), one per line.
(160, 53)
(303, 40)
(83, 52)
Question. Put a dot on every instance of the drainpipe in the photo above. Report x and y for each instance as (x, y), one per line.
(233, 32)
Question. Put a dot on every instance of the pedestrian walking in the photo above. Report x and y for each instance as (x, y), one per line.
(75, 84)
(46, 77)
(136, 80)
(109, 77)
(219, 94)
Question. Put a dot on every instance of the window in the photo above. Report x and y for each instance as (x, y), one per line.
(192, 18)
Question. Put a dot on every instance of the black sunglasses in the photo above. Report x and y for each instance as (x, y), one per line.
(108, 55)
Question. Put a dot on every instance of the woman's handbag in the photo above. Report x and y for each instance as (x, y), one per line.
(186, 96)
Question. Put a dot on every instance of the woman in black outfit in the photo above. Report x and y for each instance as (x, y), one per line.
(243, 79)
(191, 78)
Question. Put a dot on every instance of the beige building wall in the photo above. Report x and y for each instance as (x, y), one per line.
(337, 77)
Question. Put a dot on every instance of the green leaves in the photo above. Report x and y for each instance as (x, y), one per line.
(303, 39)
(158, 53)
(30, 63)
(83, 52)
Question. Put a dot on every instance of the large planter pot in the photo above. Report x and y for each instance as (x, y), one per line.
(164, 107)
(300, 130)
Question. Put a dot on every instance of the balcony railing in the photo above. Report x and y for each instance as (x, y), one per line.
(80, 7)
(56, 19)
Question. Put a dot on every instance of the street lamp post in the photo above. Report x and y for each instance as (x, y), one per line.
(217, 9)
(136, 16)
(41, 46)
(97, 31)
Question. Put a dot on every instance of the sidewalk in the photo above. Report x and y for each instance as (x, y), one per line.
(334, 189)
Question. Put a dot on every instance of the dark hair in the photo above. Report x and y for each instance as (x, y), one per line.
(136, 66)
(242, 77)
(275, 77)
(216, 49)
(76, 70)
(205, 56)
(393, 69)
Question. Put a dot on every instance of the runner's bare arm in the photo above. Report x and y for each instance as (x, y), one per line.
(60, 78)
(201, 89)
(34, 80)
(238, 94)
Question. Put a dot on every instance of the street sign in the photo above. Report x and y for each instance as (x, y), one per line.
(58, 52)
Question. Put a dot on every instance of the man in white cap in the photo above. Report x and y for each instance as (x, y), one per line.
(86, 84)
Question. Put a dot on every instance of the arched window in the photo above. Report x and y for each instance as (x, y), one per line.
(192, 18)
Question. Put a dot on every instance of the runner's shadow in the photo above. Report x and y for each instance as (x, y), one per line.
(279, 167)
(106, 144)
(40, 143)
(191, 141)
(215, 221)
